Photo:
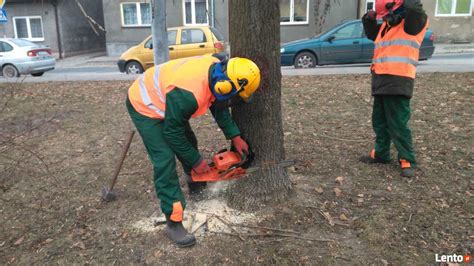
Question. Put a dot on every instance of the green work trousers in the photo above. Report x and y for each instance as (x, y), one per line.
(390, 116)
(162, 157)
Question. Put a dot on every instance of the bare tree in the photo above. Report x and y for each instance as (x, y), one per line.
(255, 34)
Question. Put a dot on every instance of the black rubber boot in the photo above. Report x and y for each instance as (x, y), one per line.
(408, 172)
(369, 160)
(176, 232)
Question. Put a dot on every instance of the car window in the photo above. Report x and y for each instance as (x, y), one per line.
(192, 36)
(349, 31)
(217, 34)
(172, 37)
(23, 43)
(5, 47)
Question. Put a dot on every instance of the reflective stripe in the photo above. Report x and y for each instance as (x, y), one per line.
(395, 60)
(146, 98)
(398, 42)
(157, 84)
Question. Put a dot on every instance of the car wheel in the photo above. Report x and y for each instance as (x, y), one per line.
(133, 68)
(10, 71)
(37, 74)
(305, 60)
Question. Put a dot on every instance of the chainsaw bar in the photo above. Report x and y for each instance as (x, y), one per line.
(231, 165)
(283, 164)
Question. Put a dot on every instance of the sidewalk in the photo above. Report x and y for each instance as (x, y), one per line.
(441, 48)
(101, 58)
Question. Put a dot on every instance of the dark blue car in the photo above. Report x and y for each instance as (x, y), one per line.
(345, 43)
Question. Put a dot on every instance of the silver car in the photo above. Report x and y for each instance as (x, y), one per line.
(18, 56)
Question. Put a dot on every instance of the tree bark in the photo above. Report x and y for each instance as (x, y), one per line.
(254, 28)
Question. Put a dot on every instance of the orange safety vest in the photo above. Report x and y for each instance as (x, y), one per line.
(148, 93)
(397, 52)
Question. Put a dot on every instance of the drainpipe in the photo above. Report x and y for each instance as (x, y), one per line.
(58, 32)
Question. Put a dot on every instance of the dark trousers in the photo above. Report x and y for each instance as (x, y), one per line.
(162, 158)
(390, 116)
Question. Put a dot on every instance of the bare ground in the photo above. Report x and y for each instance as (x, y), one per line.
(59, 143)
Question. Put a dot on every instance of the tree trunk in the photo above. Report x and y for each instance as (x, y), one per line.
(160, 33)
(254, 27)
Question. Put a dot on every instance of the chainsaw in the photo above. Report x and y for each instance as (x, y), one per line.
(228, 164)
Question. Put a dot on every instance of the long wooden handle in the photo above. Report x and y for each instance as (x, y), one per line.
(122, 158)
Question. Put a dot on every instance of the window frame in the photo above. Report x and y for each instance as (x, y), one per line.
(369, 1)
(139, 15)
(453, 10)
(28, 28)
(292, 15)
(193, 14)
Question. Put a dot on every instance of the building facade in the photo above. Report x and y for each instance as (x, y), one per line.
(59, 24)
(128, 22)
(450, 20)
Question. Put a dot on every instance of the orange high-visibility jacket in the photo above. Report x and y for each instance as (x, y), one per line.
(397, 52)
(148, 93)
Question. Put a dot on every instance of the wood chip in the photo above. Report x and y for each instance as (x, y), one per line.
(320, 190)
(19, 241)
(328, 218)
(339, 180)
(337, 191)
(343, 217)
(80, 245)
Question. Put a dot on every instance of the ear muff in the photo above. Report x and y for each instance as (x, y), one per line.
(223, 87)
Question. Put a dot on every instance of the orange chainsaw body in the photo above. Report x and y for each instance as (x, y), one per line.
(225, 165)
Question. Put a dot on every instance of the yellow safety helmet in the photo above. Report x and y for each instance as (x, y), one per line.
(245, 75)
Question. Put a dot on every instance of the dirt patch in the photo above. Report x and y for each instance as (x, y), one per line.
(341, 210)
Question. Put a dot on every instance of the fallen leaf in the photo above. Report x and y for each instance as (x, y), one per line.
(328, 218)
(49, 240)
(339, 180)
(19, 240)
(319, 190)
(80, 245)
(389, 188)
(338, 192)
(343, 217)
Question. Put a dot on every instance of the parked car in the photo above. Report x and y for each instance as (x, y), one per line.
(22, 57)
(183, 42)
(345, 43)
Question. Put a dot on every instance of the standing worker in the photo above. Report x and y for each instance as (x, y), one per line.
(161, 102)
(397, 45)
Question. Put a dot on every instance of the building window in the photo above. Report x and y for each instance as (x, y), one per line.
(294, 12)
(195, 12)
(369, 5)
(136, 14)
(29, 28)
(452, 8)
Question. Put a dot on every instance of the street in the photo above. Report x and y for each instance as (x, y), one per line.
(107, 70)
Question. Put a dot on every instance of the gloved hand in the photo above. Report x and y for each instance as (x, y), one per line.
(240, 145)
(371, 14)
(201, 168)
